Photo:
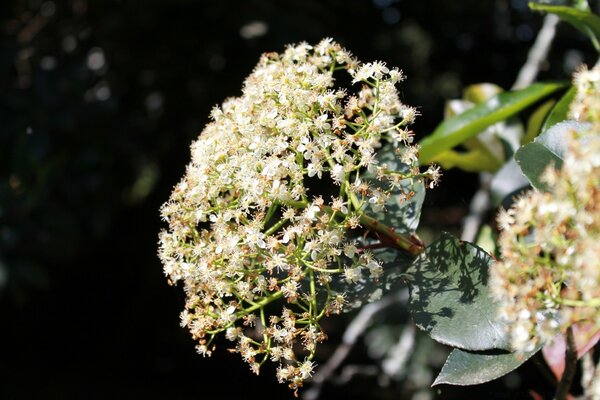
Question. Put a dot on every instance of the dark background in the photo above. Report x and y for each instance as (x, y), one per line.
(99, 101)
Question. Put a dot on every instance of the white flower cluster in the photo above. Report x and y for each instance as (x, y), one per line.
(586, 104)
(548, 277)
(275, 197)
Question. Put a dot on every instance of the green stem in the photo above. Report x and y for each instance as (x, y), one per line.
(266, 338)
(313, 294)
(275, 227)
(260, 304)
(595, 302)
(270, 212)
(324, 270)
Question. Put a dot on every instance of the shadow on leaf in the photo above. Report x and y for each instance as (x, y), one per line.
(450, 299)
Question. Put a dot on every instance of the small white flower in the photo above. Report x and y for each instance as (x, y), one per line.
(246, 224)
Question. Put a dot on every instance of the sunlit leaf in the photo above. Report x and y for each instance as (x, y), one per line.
(459, 128)
(585, 21)
(486, 239)
(560, 111)
(450, 299)
(484, 151)
(546, 149)
(471, 161)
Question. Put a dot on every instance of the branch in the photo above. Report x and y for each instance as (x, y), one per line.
(570, 368)
(479, 205)
(538, 53)
(527, 74)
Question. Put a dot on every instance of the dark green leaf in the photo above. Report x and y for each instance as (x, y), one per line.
(546, 149)
(467, 368)
(367, 290)
(560, 110)
(403, 216)
(450, 299)
(459, 128)
(585, 21)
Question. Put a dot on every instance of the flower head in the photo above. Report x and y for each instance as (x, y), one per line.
(548, 276)
(268, 212)
(585, 106)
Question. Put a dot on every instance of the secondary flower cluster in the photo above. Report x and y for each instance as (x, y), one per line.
(274, 203)
(586, 103)
(549, 274)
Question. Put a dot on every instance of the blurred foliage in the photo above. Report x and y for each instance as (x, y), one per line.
(99, 101)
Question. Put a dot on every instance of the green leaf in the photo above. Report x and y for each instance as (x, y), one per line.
(468, 368)
(459, 128)
(487, 239)
(470, 161)
(367, 290)
(483, 152)
(546, 149)
(450, 299)
(560, 111)
(584, 21)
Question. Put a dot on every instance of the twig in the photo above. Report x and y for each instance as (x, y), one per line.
(355, 329)
(538, 53)
(400, 353)
(349, 372)
(570, 367)
(480, 202)
(479, 205)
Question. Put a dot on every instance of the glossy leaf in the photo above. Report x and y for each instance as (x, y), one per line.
(403, 216)
(468, 368)
(471, 161)
(585, 21)
(367, 290)
(546, 149)
(459, 128)
(484, 151)
(450, 299)
(400, 214)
